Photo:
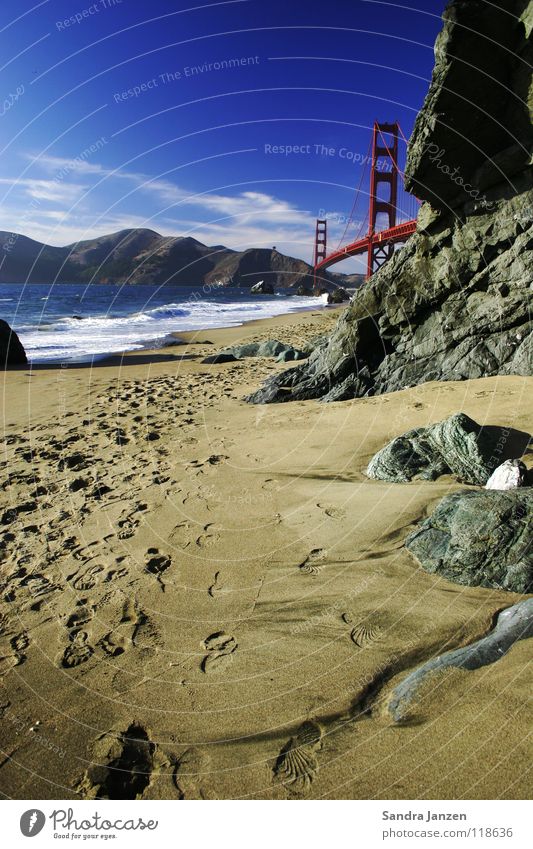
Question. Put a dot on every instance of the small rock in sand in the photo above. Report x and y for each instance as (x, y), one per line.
(219, 358)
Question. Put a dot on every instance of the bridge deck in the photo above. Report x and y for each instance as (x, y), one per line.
(399, 233)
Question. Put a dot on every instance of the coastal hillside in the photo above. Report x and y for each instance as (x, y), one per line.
(456, 302)
(144, 256)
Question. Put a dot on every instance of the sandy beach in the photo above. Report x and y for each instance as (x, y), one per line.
(213, 599)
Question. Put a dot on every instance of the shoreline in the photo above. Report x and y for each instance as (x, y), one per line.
(150, 326)
(226, 337)
(178, 561)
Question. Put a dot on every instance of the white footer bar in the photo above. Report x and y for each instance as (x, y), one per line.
(258, 824)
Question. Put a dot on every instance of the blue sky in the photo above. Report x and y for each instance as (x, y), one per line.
(168, 114)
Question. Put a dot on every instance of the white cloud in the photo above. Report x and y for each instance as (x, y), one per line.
(61, 164)
(244, 203)
(240, 220)
(58, 228)
(47, 190)
(243, 232)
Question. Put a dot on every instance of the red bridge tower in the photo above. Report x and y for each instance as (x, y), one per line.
(379, 241)
(384, 170)
(321, 244)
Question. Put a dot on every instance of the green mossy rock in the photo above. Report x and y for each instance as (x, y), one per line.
(479, 538)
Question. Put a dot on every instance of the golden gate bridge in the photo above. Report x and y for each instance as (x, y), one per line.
(378, 244)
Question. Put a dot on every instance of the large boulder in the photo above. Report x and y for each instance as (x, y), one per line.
(479, 538)
(455, 303)
(338, 296)
(457, 445)
(269, 348)
(12, 352)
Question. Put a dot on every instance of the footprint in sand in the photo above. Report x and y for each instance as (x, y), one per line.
(79, 484)
(38, 586)
(159, 479)
(127, 528)
(297, 765)
(78, 652)
(123, 765)
(189, 771)
(194, 468)
(180, 536)
(134, 629)
(208, 538)
(120, 436)
(216, 587)
(216, 459)
(81, 615)
(88, 579)
(271, 484)
(19, 644)
(115, 574)
(312, 563)
(332, 511)
(220, 648)
(364, 634)
(99, 491)
(129, 525)
(75, 462)
(365, 627)
(12, 651)
(81, 552)
(157, 563)
(114, 643)
(146, 635)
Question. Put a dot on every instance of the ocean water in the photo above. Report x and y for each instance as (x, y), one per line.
(79, 323)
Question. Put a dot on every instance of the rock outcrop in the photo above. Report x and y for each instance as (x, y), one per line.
(290, 355)
(338, 296)
(479, 538)
(269, 348)
(455, 302)
(12, 352)
(513, 624)
(217, 359)
(457, 445)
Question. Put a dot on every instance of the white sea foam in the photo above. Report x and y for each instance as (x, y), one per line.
(82, 339)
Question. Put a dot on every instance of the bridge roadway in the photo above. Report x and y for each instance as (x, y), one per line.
(398, 233)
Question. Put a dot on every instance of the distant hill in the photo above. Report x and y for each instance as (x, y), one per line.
(144, 256)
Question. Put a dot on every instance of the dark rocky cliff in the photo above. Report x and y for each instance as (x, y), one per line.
(455, 302)
(12, 352)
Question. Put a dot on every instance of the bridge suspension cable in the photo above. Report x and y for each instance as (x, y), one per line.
(379, 245)
(412, 201)
(356, 198)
